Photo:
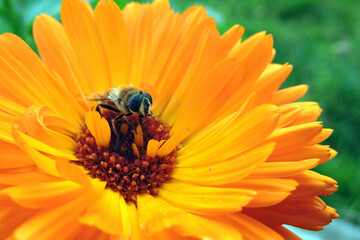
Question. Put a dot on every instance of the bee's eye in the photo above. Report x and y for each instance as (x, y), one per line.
(148, 96)
(135, 102)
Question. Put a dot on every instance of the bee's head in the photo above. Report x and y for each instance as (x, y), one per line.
(140, 103)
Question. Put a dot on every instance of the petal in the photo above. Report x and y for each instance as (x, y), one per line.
(44, 163)
(315, 151)
(35, 127)
(78, 174)
(46, 194)
(271, 80)
(98, 127)
(292, 138)
(26, 176)
(288, 95)
(233, 135)
(250, 228)
(79, 24)
(201, 101)
(311, 214)
(205, 200)
(269, 191)
(113, 34)
(225, 171)
(312, 184)
(109, 213)
(24, 73)
(11, 216)
(38, 227)
(11, 156)
(155, 214)
(208, 228)
(57, 53)
(283, 169)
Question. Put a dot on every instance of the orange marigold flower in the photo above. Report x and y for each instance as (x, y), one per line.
(218, 153)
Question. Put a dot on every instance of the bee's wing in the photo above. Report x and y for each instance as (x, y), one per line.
(98, 99)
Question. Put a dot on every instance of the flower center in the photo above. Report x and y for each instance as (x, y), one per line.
(124, 165)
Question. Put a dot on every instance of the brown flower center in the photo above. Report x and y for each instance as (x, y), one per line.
(124, 165)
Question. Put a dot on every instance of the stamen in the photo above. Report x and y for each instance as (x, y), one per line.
(138, 136)
(131, 163)
(124, 128)
(136, 151)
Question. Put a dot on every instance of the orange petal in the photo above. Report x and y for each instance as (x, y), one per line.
(311, 214)
(113, 34)
(11, 156)
(312, 184)
(149, 208)
(78, 175)
(235, 134)
(20, 178)
(65, 217)
(208, 228)
(283, 169)
(46, 194)
(109, 213)
(12, 216)
(269, 191)
(98, 127)
(35, 127)
(225, 171)
(44, 163)
(170, 144)
(270, 81)
(292, 138)
(205, 200)
(24, 73)
(79, 24)
(57, 53)
(288, 95)
(306, 152)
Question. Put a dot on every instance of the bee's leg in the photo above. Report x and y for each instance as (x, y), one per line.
(113, 124)
(151, 116)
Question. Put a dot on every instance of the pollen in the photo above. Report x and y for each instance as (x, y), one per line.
(126, 164)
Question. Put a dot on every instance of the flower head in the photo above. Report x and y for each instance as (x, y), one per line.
(221, 153)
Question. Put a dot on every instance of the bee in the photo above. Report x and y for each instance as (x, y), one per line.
(124, 100)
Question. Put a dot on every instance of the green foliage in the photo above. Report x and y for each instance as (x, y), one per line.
(320, 38)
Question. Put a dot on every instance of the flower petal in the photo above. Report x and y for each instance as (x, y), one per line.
(57, 53)
(98, 127)
(288, 95)
(78, 175)
(24, 176)
(65, 217)
(283, 169)
(109, 213)
(269, 191)
(79, 24)
(229, 170)
(113, 34)
(205, 200)
(311, 213)
(11, 156)
(24, 73)
(44, 163)
(292, 138)
(312, 184)
(46, 194)
(155, 214)
(208, 228)
(235, 134)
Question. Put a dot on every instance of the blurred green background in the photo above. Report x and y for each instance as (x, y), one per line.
(320, 38)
